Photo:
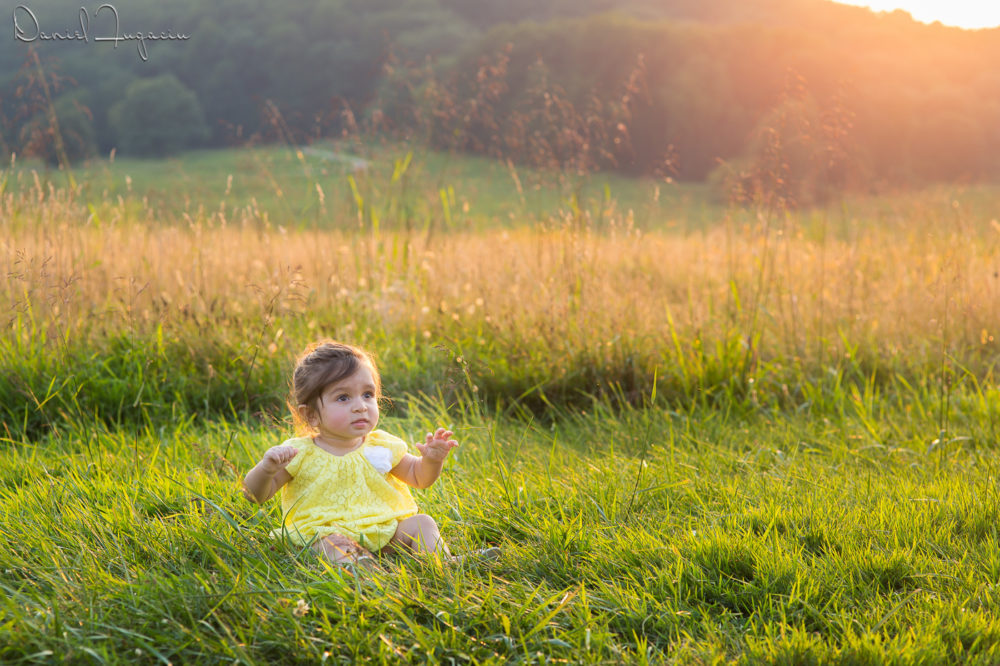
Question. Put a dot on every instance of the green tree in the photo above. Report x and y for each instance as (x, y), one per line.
(63, 133)
(158, 116)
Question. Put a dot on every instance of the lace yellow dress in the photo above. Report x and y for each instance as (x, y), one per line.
(353, 495)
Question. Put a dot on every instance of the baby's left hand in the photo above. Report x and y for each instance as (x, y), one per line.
(439, 445)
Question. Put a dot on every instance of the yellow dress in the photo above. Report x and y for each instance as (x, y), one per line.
(353, 495)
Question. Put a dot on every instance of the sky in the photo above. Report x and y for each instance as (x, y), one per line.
(960, 13)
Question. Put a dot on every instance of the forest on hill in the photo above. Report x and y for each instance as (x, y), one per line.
(807, 94)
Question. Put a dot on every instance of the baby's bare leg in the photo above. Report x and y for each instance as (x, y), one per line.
(419, 534)
(339, 548)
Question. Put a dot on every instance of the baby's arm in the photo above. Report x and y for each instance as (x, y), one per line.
(422, 472)
(269, 475)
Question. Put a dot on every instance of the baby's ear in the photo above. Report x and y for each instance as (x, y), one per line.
(308, 414)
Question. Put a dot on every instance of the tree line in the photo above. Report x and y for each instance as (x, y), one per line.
(798, 97)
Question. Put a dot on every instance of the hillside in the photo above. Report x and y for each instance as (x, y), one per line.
(874, 97)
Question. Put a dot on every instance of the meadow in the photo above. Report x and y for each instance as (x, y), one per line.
(699, 434)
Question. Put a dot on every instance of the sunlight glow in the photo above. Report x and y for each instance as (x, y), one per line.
(971, 14)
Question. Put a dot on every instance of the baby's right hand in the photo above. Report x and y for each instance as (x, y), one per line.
(278, 457)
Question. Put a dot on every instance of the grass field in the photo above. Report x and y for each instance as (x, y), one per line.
(698, 435)
(311, 188)
(627, 536)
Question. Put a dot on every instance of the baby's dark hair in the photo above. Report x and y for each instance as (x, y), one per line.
(323, 363)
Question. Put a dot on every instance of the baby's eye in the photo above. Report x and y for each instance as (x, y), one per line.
(342, 397)
(369, 395)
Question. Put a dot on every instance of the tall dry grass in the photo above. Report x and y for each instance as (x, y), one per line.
(884, 286)
(791, 296)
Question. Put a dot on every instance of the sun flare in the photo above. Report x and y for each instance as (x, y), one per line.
(970, 14)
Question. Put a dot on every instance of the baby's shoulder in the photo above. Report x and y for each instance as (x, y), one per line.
(383, 438)
(380, 439)
(305, 455)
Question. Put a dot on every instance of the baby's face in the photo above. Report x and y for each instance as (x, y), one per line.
(347, 409)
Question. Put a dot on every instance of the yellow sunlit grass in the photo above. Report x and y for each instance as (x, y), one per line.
(907, 288)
